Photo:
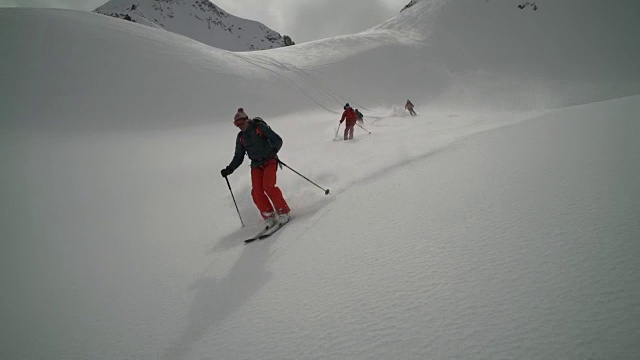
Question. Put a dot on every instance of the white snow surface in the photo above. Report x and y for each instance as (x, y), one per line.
(499, 223)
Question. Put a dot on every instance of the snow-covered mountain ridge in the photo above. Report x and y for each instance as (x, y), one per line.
(200, 20)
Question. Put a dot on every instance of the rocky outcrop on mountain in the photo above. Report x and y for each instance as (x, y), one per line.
(410, 4)
(200, 20)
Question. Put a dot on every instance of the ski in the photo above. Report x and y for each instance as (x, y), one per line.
(273, 230)
(257, 236)
(266, 233)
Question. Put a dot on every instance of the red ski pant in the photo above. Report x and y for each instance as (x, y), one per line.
(348, 130)
(263, 182)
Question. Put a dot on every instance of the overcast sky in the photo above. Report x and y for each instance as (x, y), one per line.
(303, 20)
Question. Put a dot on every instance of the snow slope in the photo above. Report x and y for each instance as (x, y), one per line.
(518, 242)
(466, 232)
(429, 53)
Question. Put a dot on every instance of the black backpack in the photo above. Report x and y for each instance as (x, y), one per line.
(257, 120)
(260, 121)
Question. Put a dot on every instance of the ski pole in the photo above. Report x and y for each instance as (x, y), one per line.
(234, 200)
(326, 191)
(338, 129)
(364, 128)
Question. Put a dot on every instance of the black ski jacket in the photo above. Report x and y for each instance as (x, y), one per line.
(259, 142)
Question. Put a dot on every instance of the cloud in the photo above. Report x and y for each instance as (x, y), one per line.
(317, 20)
(306, 20)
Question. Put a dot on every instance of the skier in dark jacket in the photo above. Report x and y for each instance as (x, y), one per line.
(261, 144)
(409, 106)
(360, 116)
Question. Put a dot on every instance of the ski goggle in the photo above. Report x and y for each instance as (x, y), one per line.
(239, 121)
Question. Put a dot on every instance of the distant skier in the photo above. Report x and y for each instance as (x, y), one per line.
(360, 116)
(261, 144)
(350, 116)
(409, 106)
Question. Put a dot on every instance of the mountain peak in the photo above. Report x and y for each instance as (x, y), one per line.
(200, 20)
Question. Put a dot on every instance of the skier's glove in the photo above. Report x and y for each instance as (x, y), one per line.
(226, 172)
(341, 121)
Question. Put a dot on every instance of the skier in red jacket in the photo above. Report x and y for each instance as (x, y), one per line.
(350, 115)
